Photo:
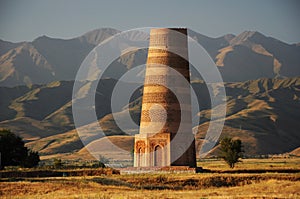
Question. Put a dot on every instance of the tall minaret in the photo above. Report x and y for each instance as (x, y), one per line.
(165, 137)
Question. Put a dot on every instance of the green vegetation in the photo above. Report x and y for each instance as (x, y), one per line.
(103, 159)
(14, 153)
(57, 163)
(231, 150)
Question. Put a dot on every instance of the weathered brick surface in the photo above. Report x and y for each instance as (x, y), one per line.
(156, 149)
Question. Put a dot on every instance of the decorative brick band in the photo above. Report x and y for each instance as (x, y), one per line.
(155, 146)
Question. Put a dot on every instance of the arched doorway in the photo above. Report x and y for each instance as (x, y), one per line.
(158, 156)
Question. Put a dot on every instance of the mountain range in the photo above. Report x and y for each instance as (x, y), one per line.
(247, 56)
(261, 82)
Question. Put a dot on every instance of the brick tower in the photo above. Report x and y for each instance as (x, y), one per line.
(163, 118)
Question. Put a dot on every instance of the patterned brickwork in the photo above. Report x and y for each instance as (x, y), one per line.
(155, 148)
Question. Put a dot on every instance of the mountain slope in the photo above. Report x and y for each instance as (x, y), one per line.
(263, 113)
(211, 45)
(67, 55)
(7, 96)
(45, 110)
(96, 36)
(6, 46)
(24, 65)
(249, 55)
(46, 59)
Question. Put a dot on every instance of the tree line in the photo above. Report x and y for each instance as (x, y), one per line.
(14, 153)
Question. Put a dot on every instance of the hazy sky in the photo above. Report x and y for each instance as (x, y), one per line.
(25, 20)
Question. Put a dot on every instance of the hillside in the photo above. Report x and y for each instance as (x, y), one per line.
(263, 113)
(46, 59)
(251, 54)
(44, 110)
(296, 152)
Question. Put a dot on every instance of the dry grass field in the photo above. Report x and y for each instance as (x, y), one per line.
(252, 164)
(200, 185)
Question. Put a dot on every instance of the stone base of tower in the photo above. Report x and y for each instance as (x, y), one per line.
(152, 150)
(157, 150)
(166, 169)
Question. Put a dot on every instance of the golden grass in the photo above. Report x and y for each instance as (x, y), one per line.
(249, 164)
(87, 189)
(181, 185)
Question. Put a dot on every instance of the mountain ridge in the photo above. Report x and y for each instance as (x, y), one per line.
(249, 55)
